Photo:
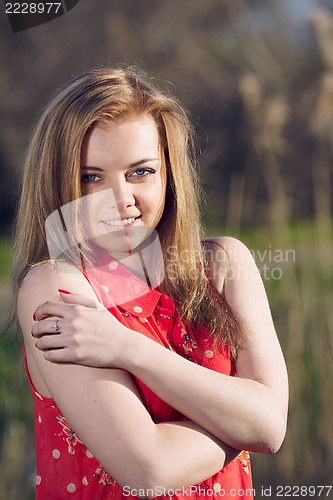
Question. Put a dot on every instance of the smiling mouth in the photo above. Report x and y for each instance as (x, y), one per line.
(123, 222)
(120, 224)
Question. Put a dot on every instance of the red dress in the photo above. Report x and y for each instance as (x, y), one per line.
(66, 469)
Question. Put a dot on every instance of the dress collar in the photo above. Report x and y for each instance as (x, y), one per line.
(121, 288)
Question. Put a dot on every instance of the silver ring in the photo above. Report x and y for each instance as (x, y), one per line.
(56, 327)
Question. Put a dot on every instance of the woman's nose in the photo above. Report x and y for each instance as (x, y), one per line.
(123, 195)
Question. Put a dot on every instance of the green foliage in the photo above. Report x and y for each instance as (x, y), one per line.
(5, 256)
(301, 307)
(16, 424)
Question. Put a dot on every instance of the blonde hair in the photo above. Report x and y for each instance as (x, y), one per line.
(52, 179)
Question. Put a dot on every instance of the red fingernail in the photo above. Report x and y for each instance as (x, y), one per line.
(34, 316)
(64, 291)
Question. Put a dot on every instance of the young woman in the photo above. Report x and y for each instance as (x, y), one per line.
(134, 328)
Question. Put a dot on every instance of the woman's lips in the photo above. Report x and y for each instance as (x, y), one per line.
(120, 224)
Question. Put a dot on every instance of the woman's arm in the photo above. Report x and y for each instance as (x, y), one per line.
(105, 408)
(246, 412)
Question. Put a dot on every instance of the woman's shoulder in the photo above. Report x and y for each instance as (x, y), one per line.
(44, 274)
(224, 255)
(43, 280)
(229, 246)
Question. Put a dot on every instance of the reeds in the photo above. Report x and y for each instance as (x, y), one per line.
(302, 298)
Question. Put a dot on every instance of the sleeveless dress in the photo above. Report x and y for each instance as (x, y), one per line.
(65, 468)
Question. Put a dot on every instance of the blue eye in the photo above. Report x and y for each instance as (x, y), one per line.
(142, 172)
(89, 178)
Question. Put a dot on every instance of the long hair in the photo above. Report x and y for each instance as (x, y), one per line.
(51, 179)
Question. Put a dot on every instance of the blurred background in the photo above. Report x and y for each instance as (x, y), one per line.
(257, 77)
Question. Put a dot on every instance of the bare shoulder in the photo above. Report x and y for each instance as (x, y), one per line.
(233, 249)
(41, 284)
(226, 257)
(49, 272)
(43, 281)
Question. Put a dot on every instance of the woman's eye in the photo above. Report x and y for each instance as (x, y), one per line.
(89, 178)
(142, 172)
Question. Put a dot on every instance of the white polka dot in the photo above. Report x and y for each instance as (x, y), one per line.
(38, 480)
(113, 265)
(89, 454)
(208, 354)
(56, 454)
(217, 487)
(105, 288)
(143, 320)
(85, 481)
(71, 488)
(40, 420)
(137, 309)
(39, 396)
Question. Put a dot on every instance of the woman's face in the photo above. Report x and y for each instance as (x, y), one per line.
(122, 182)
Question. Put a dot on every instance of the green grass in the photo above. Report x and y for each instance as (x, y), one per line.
(5, 257)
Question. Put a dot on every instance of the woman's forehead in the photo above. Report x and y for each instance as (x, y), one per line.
(128, 140)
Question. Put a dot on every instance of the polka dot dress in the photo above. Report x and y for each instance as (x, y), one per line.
(65, 468)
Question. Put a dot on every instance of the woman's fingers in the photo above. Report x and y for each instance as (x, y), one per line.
(49, 342)
(58, 308)
(49, 309)
(46, 327)
(77, 330)
(59, 356)
(75, 298)
(54, 334)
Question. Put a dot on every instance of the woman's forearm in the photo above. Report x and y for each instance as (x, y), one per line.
(239, 412)
(184, 454)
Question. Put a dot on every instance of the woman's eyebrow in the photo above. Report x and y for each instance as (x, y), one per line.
(142, 162)
(132, 165)
(87, 167)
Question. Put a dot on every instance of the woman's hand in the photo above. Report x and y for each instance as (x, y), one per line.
(80, 330)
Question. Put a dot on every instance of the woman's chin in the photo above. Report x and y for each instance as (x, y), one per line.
(122, 241)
